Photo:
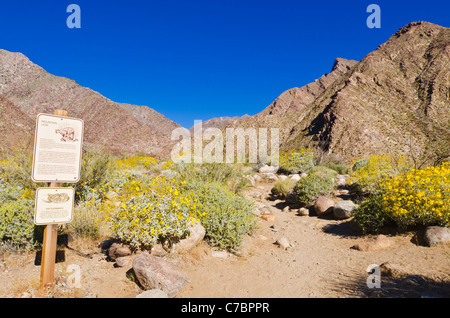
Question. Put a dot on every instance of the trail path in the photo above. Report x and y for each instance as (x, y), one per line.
(319, 263)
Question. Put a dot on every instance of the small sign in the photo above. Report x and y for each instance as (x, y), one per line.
(54, 206)
(57, 149)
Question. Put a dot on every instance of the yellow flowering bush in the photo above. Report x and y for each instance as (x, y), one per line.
(414, 197)
(368, 174)
(134, 162)
(419, 196)
(296, 160)
(151, 210)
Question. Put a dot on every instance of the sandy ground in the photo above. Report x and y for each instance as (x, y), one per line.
(320, 263)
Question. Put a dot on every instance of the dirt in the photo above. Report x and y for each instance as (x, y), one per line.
(320, 262)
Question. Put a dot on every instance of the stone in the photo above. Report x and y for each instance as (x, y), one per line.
(257, 178)
(268, 169)
(197, 234)
(268, 217)
(153, 293)
(381, 242)
(323, 206)
(303, 175)
(271, 177)
(117, 250)
(295, 177)
(282, 177)
(156, 273)
(283, 243)
(250, 178)
(436, 235)
(303, 212)
(158, 250)
(344, 209)
(122, 261)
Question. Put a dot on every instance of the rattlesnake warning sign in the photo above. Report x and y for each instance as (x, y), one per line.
(53, 206)
(57, 149)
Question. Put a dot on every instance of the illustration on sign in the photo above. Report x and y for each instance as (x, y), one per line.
(54, 205)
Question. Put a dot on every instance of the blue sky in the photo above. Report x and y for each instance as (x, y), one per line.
(201, 59)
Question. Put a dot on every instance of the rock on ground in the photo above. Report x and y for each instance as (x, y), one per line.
(344, 209)
(435, 235)
(197, 234)
(117, 250)
(323, 206)
(154, 272)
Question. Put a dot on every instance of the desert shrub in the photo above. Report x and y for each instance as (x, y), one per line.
(85, 222)
(339, 168)
(321, 170)
(16, 223)
(282, 187)
(231, 175)
(368, 174)
(296, 161)
(227, 217)
(419, 197)
(371, 215)
(17, 171)
(310, 188)
(151, 210)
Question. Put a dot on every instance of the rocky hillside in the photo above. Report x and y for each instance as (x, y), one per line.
(395, 99)
(117, 127)
(219, 122)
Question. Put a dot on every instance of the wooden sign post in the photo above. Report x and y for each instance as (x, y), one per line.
(56, 159)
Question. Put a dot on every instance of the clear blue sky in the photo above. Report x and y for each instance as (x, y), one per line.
(197, 59)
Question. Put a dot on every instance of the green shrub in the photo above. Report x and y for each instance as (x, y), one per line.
(339, 168)
(85, 222)
(16, 223)
(310, 188)
(321, 170)
(371, 216)
(227, 217)
(282, 187)
(230, 175)
(296, 161)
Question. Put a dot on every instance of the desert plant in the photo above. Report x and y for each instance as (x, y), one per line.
(282, 187)
(296, 161)
(371, 215)
(227, 217)
(310, 188)
(85, 222)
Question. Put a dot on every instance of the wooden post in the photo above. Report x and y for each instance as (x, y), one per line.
(48, 256)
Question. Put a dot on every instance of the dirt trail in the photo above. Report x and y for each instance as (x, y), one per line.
(319, 263)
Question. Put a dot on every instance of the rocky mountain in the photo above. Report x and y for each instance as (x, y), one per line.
(219, 122)
(395, 100)
(121, 128)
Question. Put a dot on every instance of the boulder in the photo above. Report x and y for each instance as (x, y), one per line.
(344, 209)
(323, 206)
(303, 212)
(117, 250)
(156, 273)
(268, 169)
(272, 177)
(197, 234)
(257, 178)
(436, 235)
(122, 261)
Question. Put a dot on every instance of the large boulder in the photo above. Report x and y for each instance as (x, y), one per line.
(155, 272)
(344, 209)
(197, 234)
(323, 206)
(435, 235)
